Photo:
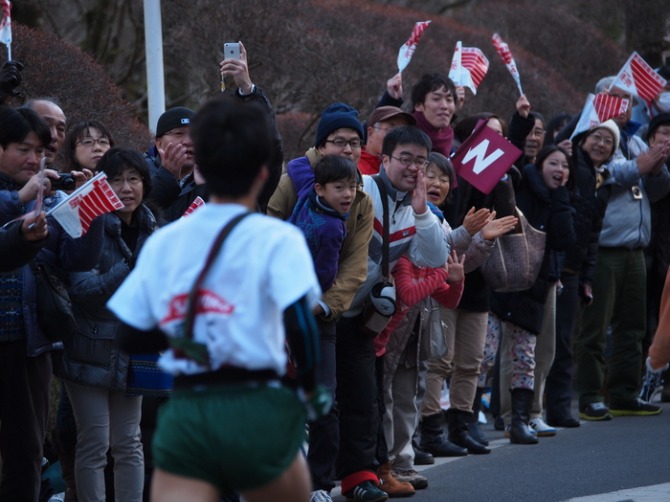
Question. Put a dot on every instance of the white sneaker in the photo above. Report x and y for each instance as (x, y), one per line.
(320, 496)
(541, 428)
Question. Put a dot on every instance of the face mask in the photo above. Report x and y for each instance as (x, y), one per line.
(663, 102)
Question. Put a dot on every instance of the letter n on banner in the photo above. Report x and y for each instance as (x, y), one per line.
(484, 157)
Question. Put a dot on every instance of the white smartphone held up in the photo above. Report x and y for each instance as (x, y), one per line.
(231, 50)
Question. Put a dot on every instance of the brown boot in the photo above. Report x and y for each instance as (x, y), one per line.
(391, 485)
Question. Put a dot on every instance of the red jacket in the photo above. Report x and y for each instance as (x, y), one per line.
(413, 284)
(368, 164)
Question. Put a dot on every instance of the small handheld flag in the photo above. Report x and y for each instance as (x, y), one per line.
(94, 198)
(6, 26)
(407, 50)
(484, 157)
(197, 202)
(640, 79)
(468, 67)
(598, 109)
(503, 50)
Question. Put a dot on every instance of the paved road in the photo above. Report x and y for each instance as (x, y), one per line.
(624, 460)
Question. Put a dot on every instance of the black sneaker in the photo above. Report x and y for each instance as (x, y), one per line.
(367, 492)
(595, 412)
(638, 408)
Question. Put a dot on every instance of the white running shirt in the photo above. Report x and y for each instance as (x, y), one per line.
(263, 267)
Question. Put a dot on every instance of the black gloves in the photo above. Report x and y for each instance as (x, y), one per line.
(10, 78)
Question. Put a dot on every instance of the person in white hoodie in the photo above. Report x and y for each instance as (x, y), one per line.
(619, 290)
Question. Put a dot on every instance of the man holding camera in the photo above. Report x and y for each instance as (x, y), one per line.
(25, 351)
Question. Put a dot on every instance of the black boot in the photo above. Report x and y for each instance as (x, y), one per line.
(434, 441)
(522, 401)
(474, 429)
(421, 457)
(458, 421)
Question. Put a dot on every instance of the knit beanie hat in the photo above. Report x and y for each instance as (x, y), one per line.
(656, 122)
(334, 117)
(611, 126)
(171, 119)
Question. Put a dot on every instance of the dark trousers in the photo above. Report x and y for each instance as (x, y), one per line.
(65, 439)
(382, 454)
(324, 434)
(24, 408)
(619, 301)
(357, 399)
(559, 387)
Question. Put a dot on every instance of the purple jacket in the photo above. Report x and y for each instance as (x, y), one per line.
(324, 228)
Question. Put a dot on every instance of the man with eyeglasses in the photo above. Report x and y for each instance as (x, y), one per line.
(620, 285)
(380, 122)
(413, 231)
(339, 133)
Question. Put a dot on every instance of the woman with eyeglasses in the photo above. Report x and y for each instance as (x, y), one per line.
(592, 150)
(85, 144)
(94, 368)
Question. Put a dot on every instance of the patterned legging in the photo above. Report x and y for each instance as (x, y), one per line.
(521, 353)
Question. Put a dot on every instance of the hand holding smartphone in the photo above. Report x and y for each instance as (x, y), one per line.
(231, 50)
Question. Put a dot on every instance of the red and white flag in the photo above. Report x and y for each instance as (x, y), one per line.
(598, 109)
(503, 50)
(94, 198)
(484, 157)
(607, 107)
(407, 50)
(6, 26)
(197, 202)
(468, 67)
(640, 79)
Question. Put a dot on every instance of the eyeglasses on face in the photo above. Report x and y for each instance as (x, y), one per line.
(118, 181)
(90, 142)
(599, 138)
(408, 161)
(342, 143)
(537, 132)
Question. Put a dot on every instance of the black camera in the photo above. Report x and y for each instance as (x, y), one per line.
(65, 182)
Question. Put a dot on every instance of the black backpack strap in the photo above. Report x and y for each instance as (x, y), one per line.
(385, 231)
